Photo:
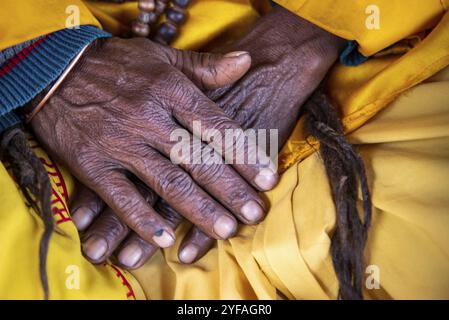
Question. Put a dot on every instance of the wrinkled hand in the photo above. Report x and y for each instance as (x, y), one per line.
(110, 124)
(290, 58)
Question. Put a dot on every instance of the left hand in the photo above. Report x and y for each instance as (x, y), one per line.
(290, 58)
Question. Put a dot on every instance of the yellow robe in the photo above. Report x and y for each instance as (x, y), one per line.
(405, 146)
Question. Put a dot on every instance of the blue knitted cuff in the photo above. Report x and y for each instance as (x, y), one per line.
(35, 67)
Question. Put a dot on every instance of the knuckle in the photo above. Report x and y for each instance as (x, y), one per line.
(205, 65)
(90, 166)
(125, 204)
(235, 141)
(107, 227)
(220, 122)
(149, 196)
(91, 160)
(166, 81)
(200, 238)
(144, 222)
(177, 184)
(168, 213)
(85, 156)
(113, 227)
(207, 208)
(208, 173)
(238, 195)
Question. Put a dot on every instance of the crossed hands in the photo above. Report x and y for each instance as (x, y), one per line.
(111, 122)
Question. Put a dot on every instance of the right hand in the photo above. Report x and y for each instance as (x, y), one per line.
(110, 123)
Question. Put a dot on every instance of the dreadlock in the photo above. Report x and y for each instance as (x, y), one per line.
(344, 168)
(34, 183)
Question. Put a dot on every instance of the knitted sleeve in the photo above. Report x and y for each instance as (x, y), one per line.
(28, 68)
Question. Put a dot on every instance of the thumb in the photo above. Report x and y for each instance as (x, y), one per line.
(211, 70)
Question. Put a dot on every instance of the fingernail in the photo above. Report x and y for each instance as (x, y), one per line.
(82, 217)
(95, 248)
(189, 253)
(163, 239)
(130, 255)
(225, 227)
(235, 54)
(266, 179)
(252, 211)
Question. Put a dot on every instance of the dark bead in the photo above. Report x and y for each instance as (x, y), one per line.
(144, 17)
(141, 29)
(167, 31)
(153, 17)
(181, 3)
(146, 5)
(160, 7)
(147, 17)
(177, 16)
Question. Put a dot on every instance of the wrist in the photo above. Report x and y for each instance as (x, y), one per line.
(281, 31)
(299, 31)
(40, 63)
(31, 109)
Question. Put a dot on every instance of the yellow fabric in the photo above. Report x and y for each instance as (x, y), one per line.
(363, 91)
(21, 231)
(397, 19)
(27, 19)
(405, 147)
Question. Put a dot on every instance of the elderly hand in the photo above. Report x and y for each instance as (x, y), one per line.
(110, 124)
(290, 58)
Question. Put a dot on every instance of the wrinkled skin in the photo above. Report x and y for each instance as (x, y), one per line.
(290, 57)
(110, 124)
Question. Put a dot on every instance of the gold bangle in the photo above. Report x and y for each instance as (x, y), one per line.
(55, 86)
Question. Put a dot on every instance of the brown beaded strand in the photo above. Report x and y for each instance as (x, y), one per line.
(161, 5)
(141, 26)
(176, 16)
(150, 12)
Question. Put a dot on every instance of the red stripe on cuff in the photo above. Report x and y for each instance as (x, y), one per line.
(14, 61)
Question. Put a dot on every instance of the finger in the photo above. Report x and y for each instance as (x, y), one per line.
(108, 232)
(194, 245)
(170, 215)
(148, 194)
(103, 236)
(131, 207)
(210, 70)
(135, 251)
(208, 170)
(224, 184)
(85, 207)
(175, 186)
(240, 149)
